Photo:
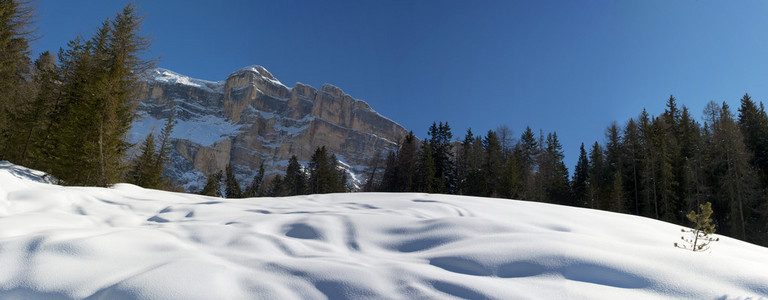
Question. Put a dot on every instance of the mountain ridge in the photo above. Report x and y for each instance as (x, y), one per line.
(252, 117)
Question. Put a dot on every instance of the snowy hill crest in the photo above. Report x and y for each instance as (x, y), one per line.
(127, 242)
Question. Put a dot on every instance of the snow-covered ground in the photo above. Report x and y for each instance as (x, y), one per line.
(126, 242)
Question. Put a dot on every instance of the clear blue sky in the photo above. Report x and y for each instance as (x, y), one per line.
(566, 66)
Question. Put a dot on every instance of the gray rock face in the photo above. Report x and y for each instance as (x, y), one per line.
(251, 118)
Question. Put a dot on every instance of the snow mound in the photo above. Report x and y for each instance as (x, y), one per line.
(27, 173)
(127, 242)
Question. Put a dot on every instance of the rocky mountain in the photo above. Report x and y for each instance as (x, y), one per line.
(251, 117)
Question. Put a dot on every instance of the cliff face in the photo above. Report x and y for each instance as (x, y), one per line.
(251, 118)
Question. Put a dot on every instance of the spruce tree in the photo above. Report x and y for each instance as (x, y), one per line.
(527, 152)
(140, 174)
(255, 189)
(232, 187)
(15, 33)
(213, 185)
(492, 165)
(581, 177)
(425, 180)
(295, 178)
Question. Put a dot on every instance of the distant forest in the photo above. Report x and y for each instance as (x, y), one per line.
(660, 167)
(69, 114)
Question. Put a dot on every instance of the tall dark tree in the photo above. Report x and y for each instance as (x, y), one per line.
(324, 176)
(213, 185)
(15, 33)
(425, 180)
(256, 188)
(581, 178)
(735, 176)
(442, 153)
(527, 153)
(554, 173)
(632, 157)
(492, 165)
(232, 186)
(753, 123)
(295, 178)
(596, 183)
(99, 81)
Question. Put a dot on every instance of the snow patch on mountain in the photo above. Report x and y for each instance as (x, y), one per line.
(204, 130)
(170, 77)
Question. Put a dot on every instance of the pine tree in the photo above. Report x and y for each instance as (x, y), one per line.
(701, 239)
(295, 178)
(596, 181)
(276, 187)
(213, 185)
(753, 123)
(581, 177)
(442, 153)
(632, 154)
(527, 152)
(734, 174)
(324, 176)
(425, 180)
(510, 182)
(492, 165)
(232, 187)
(406, 162)
(554, 173)
(256, 188)
(140, 174)
(15, 33)
(31, 118)
(99, 80)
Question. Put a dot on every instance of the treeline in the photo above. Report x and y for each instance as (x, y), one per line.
(654, 166)
(70, 118)
(322, 175)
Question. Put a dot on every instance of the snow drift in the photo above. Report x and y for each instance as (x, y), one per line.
(127, 242)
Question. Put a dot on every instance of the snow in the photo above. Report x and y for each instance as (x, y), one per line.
(170, 77)
(259, 70)
(126, 242)
(204, 130)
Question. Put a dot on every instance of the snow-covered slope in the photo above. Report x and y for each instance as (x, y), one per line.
(127, 242)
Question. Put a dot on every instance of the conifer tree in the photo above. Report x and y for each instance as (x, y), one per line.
(15, 33)
(276, 187)
(581, 177)
(442, 153)
(406, 162)
(295, 178)
(596, 181)
(425, 180)
(527, 152)
(255, 189)
(389, 181)
(700, 239)
(735, 177)
(492, 165)
(232, 187)
(99, 80)
(632, 156)
(140, 174)
(213, 185)
(753, 123)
